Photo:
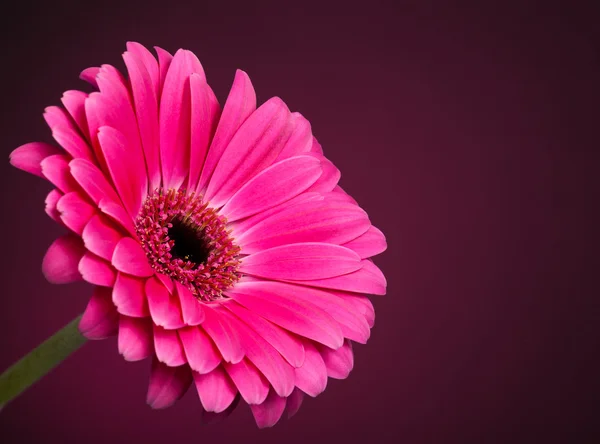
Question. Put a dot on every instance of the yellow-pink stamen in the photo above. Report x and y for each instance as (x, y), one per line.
(188, 241)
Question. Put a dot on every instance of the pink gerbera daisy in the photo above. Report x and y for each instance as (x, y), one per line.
(218, 240)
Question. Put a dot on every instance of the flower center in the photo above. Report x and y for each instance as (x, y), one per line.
(188, 241)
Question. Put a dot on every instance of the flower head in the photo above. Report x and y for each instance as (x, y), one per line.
(218, 240)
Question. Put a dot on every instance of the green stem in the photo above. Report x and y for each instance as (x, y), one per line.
(17, 378)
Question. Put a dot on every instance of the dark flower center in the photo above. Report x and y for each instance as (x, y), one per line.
(188, 241)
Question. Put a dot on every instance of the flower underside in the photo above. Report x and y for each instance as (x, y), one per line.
(188, 241)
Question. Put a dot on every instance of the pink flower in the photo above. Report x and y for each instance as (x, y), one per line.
(217, 240)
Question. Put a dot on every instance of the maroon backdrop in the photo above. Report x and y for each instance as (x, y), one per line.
(467, 133)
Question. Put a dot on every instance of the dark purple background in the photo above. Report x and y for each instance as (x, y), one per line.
(469, 134)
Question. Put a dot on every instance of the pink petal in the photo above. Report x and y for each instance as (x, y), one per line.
(96, 270)
(168, 347)
(225, 337)
(240, 103)
(100, 318)
(368, 244)
(100, 236)
(339, 195)
(241, 226)
(56, 169)
(112, 83)
(135, 338)
(339, 362)
(288, 345)
(350, 318)
(174, 118)
(97, 108)
(127, 168)
(51, 202)
(275, 301)
(294, 401)
(167, 384)
(75, 211)
(89, 75)
(143, 73)
(55, 116)
(164, 307)
(91, 179)
(215, 389)
(164, 62)
(147, 61)
(28, 157)
(369, 279)
(252, 385)
(268, 413)
(118, 214)
(311, 221)
(60, 262)
(115, 109)
(72, 142)
(362, 304)
(191, 308)
(301, 261)
(316, 147)
(277, 184)
(205, 112)
(253, 147)
(112, 107)
(129, 297)
(266, 359)
(129, 257)
(311, 378)
(328, 179)
(74, 102)
(166, 281)
(300, 140)
(201, 353)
